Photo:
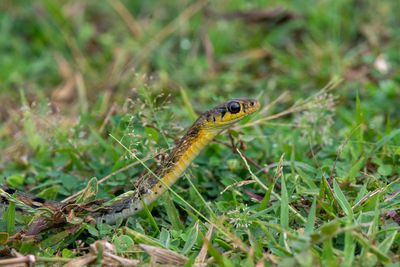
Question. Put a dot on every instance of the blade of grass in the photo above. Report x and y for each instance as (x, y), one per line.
(328, 209)
(141, 238)
(172, 212)
(265, 201)
(149, 215)
(386, 244)
(328, 257)
(188, 105)
(214, 252)
(360, 120)
(266, 188)
(191, 238)
(306, 178)
(384, 140)
(284, 219)
(340, 197)
(349, 244)
(10, 217)
(18, 203)
(350, 176)
(278, 172)
(89, 192)
(311, 218)
(373, 249)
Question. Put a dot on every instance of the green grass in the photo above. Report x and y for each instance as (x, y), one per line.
(88, 88)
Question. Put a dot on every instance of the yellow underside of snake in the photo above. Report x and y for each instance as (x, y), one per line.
(203, 130)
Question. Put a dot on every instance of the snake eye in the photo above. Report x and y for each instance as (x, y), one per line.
(234, 107)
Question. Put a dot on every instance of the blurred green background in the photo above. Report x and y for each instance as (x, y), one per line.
(208, 48)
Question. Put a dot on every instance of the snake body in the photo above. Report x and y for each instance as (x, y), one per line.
(203, 130)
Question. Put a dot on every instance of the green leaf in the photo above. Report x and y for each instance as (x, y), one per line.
(349, 246)
(284, 205)
(344, 204)
(165, 238)
(92, 230)
(366, 243)
(214, 252)
(142, 238)
(3, 238)
(15, 180)
(350, 176)
(385, 139)
(385, 169)
(191, 261)
(29, 247)
(90, 192)
(150, 216)
(363, 191)
(68, 181)
(56, 238)
(327, 208)
(223, 244)
(311, 218)
(306, 178)
(191, 238)
(265, 201)
(151, 133)
(248, 262)
(256, 246)
(330, 229)
(172, 212)
(49, 193)
(386, 244)
(324, 187)
(227, 262)
(66, 253)
(328, 257)
(123, 243)
(360, 120)
(10, 217)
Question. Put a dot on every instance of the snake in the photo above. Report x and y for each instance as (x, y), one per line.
(204, 129)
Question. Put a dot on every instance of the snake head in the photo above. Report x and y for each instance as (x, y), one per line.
(229, 112)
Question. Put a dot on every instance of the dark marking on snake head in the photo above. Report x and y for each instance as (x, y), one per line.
(223, 112)
(208, 116)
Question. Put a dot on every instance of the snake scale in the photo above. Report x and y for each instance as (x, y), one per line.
(203, 130)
